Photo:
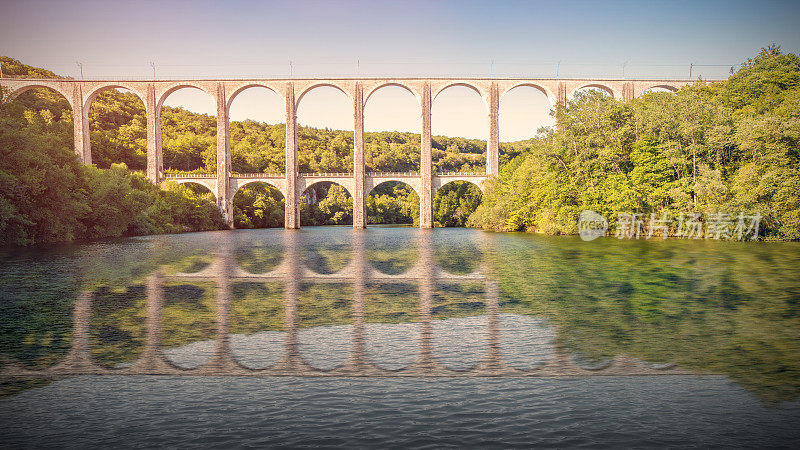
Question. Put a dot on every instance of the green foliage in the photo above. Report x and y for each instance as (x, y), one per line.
(393, 202)
(727, 146)
(258, 205)
(454, 203)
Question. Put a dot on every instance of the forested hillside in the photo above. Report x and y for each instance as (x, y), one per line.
(720, 147)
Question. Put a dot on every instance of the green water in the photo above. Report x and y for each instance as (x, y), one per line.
(704, 306)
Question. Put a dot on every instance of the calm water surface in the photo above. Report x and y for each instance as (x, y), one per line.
(400, 337)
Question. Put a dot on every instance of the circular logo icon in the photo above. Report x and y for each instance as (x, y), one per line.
(591, 225)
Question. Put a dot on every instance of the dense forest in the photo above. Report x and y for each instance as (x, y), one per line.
(724, 147)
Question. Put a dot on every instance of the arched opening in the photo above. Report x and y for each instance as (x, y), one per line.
(326, 203)
(525, 113)
(325, 131)
(189, 131)
(590, 90)
(258, 205)
(118, 326)
(393, 202)
(193, 189)
(392, 124)
(659, 90)
(257, 324)
(460, 127)
(257, 131)
(455, 202)
(45, 112)
(118, 129)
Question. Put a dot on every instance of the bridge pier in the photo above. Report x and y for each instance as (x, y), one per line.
(80, 122)
(224, 201)
(291, 211)
(359, 202)
(426, 162)
(493, 144)
(155, 164)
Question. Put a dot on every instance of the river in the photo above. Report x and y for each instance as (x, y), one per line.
(399, 337)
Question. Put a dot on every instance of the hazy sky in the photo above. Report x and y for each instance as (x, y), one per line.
(338, 38)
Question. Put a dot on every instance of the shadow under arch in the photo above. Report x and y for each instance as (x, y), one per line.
(105, 110)
(326, 203)
(258, 204)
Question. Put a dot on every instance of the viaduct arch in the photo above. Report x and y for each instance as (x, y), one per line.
(80, 93)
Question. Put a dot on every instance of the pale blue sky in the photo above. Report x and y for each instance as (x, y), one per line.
(247, 38)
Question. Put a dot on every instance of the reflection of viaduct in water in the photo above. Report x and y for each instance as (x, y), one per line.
(224, 184)
(223, 272)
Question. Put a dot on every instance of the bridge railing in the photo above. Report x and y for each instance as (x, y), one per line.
(461, 174)
(257, 175)
(190, 175)
(327, 175)
(393, 174)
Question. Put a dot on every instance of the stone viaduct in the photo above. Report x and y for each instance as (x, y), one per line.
(224, 184)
